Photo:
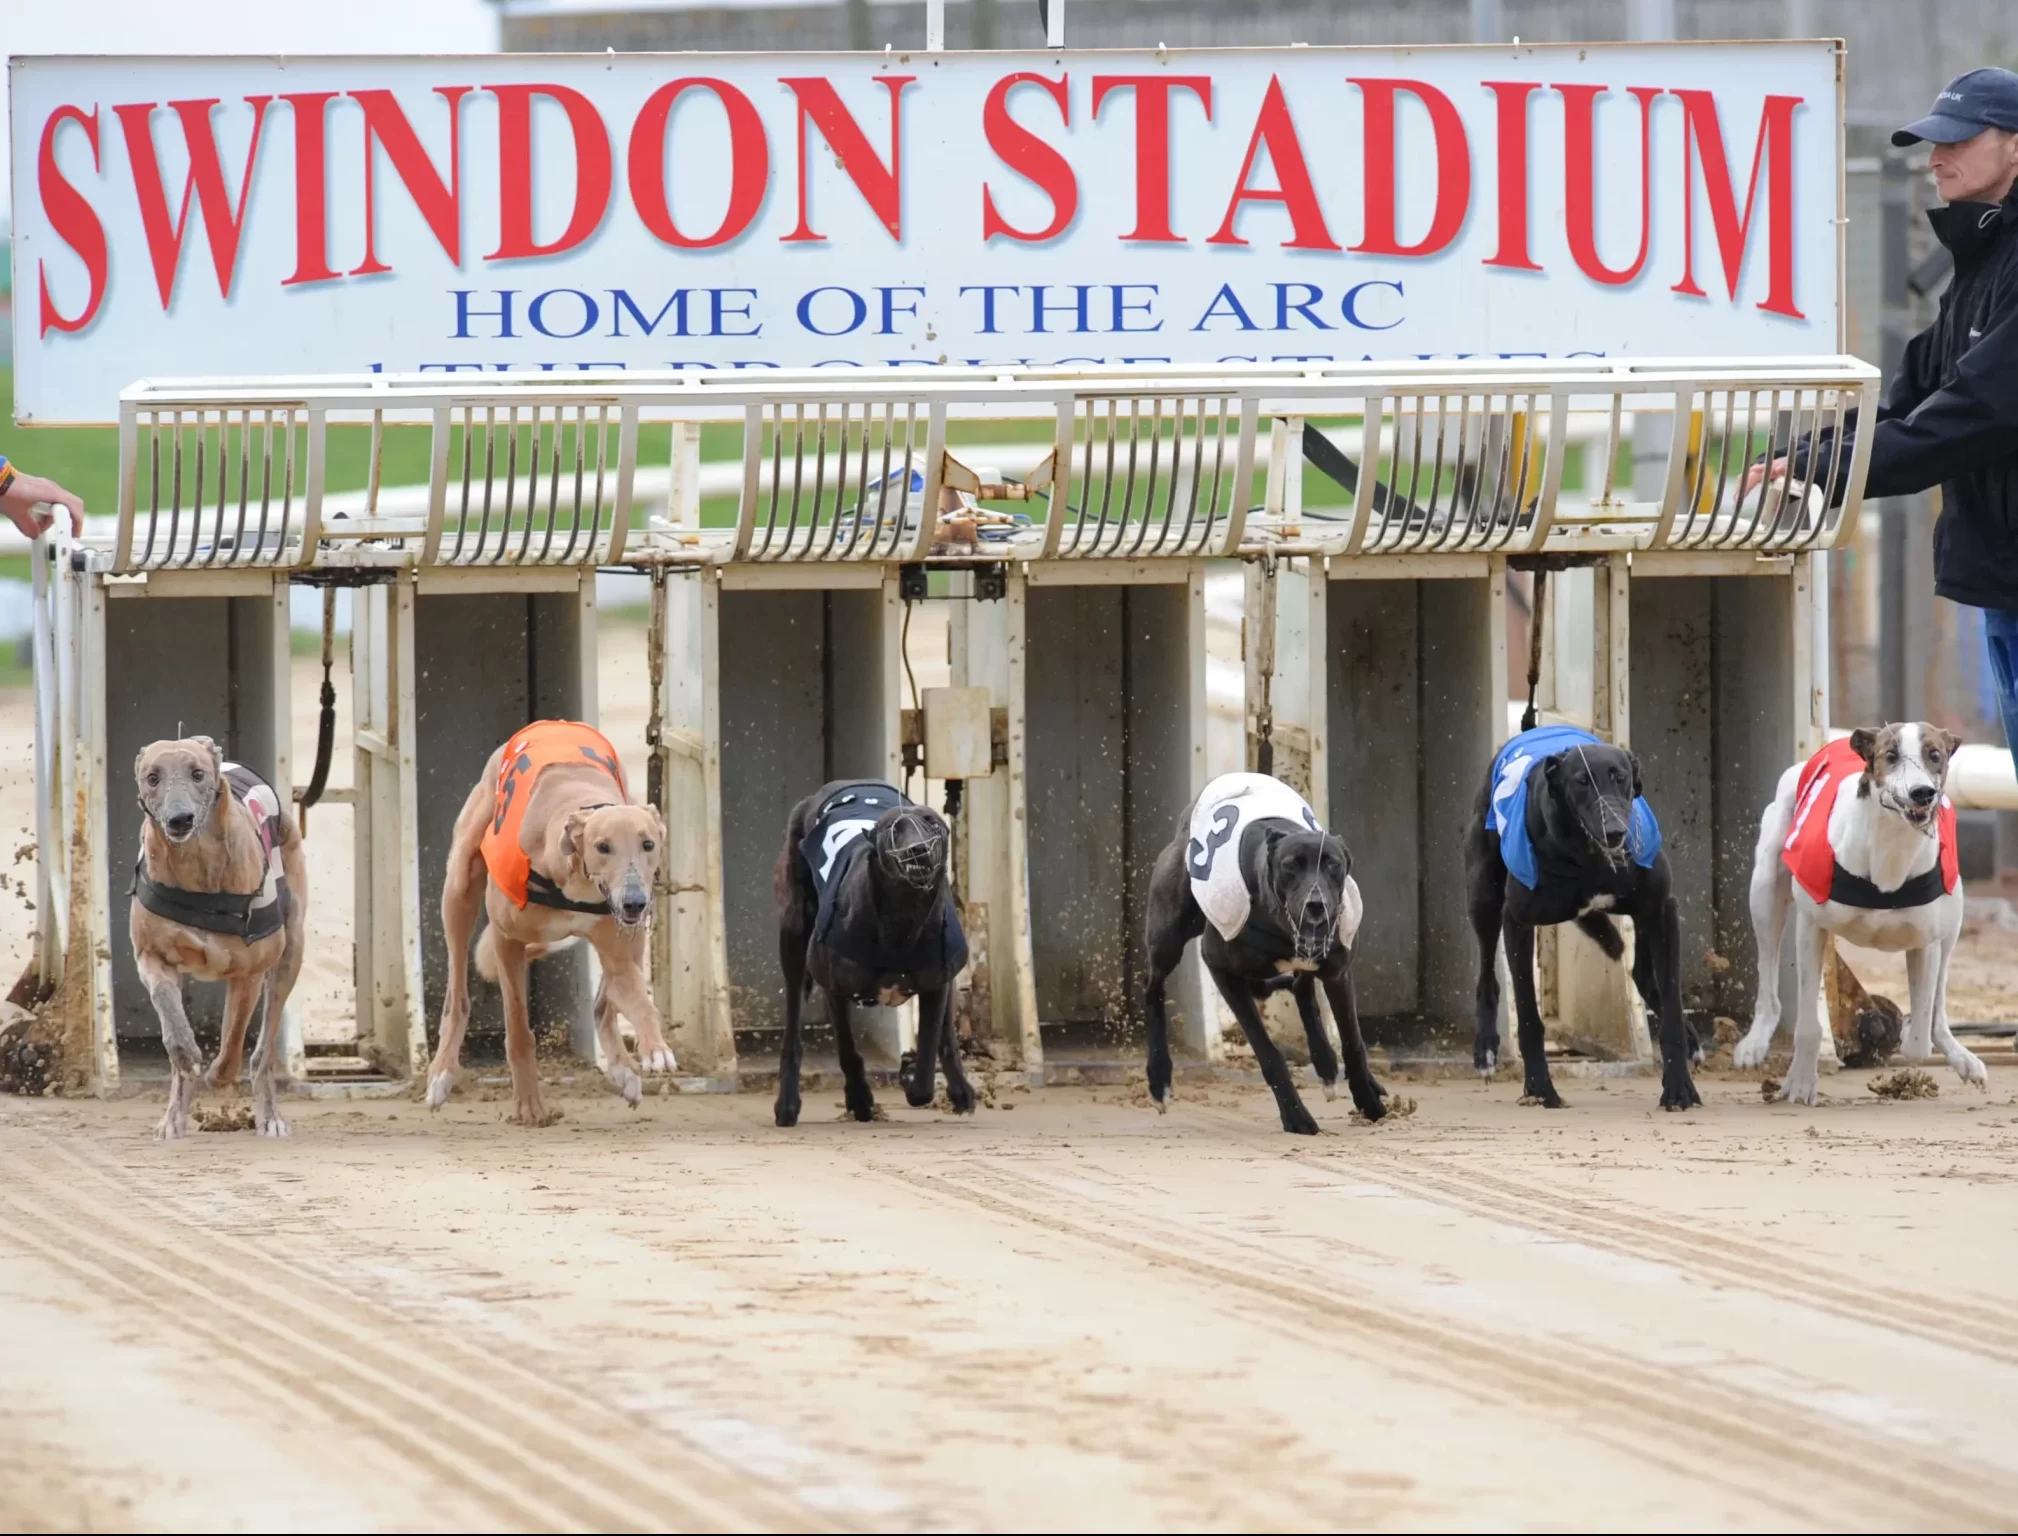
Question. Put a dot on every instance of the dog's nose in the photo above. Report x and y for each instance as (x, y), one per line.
(1922, 795)
(1615, 838)
(180, 824)
(633, 907)
(1316, 908)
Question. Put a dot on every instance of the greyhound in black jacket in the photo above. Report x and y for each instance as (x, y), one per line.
(1561, 833)
(866, 912)
(1270, 894)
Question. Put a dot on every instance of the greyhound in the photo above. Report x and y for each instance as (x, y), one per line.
(1271, 895)
(866, 913)
(1561, 832)
(220, 893)
(1860, 842)
(549, 847)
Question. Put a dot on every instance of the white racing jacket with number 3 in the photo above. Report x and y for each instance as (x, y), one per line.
(1219, 883)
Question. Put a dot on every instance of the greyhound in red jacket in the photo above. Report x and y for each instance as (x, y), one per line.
(1860, 842)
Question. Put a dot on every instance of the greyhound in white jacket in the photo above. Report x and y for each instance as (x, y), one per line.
(1860, 842)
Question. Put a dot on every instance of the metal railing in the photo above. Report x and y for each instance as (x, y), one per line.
(1434, 458)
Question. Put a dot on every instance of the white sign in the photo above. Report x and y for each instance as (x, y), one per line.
(177, 216)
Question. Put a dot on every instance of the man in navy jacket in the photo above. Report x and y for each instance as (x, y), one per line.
(1950, 417)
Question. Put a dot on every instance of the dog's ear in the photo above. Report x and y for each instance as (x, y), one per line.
(1552, 774)
(216, 757)
(1343, 851)
(574, 832)
(1947, 741)
(1864, 742)
(657, 825)
(1639, 784)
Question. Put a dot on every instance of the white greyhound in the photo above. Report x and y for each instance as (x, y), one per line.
(1860, 842)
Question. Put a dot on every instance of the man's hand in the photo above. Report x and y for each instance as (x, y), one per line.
(19, 502)
(1759, 472)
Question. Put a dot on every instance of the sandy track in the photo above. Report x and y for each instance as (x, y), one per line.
(1072, 1315)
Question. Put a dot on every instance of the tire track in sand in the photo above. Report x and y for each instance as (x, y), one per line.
(1720, 1257)
(1770, 1450)
(535, 1453)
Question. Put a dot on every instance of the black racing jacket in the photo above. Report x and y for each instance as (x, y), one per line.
(1950, 417)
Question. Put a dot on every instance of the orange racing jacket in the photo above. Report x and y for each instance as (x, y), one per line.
(535, 748)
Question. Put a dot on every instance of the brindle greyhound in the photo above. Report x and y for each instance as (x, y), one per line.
(221, 894)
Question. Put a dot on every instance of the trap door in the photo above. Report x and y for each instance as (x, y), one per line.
(1415, 705)
(1114, 719)
(177, 653)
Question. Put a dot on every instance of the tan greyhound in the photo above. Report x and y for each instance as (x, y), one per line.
(220, 893)
(550, 848)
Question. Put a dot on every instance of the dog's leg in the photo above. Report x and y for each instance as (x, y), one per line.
(1487, 901)
(1661, 932)
(959, 1092)
(1240, 998)
(1174, 921)
(1811, 942)
(462, 895)
(792, 957)
(860, 1100)
(520, 1051)
(1322, 1058)
(1537, 1087)
(626, 951)
(1772, 896)
(185, 1061)
(1646, 982)
(1967, 1064)
(1367, 1095)
(1918, 1041)
(241, 996)
(265, 1100)
(923, 1080)
(623, 990)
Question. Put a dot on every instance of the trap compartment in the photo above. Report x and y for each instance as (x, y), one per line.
(791, 675)
(1108, 743)
(1728, 690)
(194, 654)
(484, 652)
(1413, 705)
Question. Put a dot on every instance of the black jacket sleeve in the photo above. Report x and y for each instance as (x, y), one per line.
(1967, 424)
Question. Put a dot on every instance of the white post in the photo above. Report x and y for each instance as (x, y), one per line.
(935, 26)
(1054, 23)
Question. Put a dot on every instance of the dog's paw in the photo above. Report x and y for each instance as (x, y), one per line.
(439, 1087)
(1485, 1062)
(1298, 1121)
(173, 1127)
(961, 1097)
(1330, 1089)
(221, 1076)
(1801, 1088)
(786, 1112)
(270, 1124)
(862, 1105)
(657, 1062)
(627, 1083)
(1753, 1050)
(1969, 1067)
(1545, 1098)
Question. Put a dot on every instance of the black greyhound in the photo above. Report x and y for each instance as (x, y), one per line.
(1255, 854)
(1561, 832)
(865, 912)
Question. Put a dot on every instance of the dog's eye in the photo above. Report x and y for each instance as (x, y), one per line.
(154, 779)
(602, 847)
(196, 775)
(649, 845)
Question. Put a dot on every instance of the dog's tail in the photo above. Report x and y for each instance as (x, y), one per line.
(1600, 929)
(486, 954)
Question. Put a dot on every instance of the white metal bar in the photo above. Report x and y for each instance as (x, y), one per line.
(1054, 24)
(1243, 483)
(627, 469)
(437, 483)
(935, 25)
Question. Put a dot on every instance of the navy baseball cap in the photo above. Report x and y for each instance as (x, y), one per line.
(1983, 98)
